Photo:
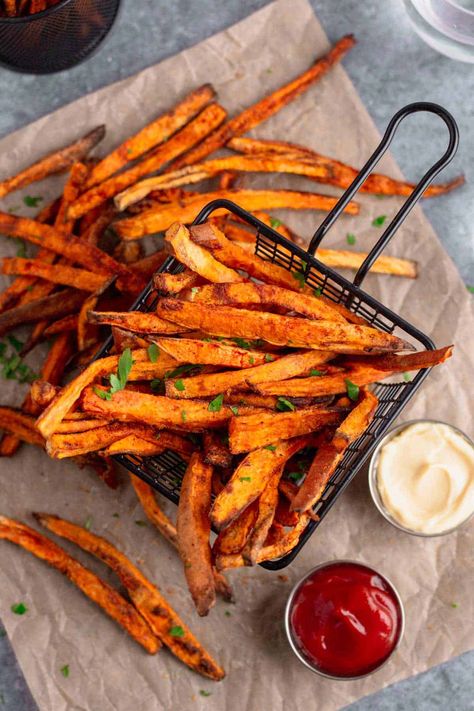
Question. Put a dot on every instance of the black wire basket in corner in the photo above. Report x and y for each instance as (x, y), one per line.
(164, 472)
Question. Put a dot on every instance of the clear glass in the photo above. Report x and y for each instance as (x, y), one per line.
(446, 25)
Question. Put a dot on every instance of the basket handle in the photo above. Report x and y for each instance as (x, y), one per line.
(368, 168)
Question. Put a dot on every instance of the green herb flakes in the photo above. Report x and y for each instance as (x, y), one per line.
(269, 358)
(245, 478)
(284, 405)
(315, 372)
(204, 693)
(179, 385)
(470, 288)
(352, 389)
(275, 223)
(155, 384)
(32, 201)
(271, 447)
(17, 345)
(227, 613)
(21, 247)
(234, 410)
(455, 604)
(295, 476)
(115, 515)
(88, 523)
(350, 238)
(104, 394)
(65, 671)
(378, 222)
(184, 416)
(251, 360)
(407, 377)
(139, 522)
(318, 292)
(177, 631)
(19, 608)
(216, 404)
(299, 278)
(153, 352)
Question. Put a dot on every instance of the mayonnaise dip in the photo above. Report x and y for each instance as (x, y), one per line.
(425, 477)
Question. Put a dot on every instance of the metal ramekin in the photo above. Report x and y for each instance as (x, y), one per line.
(293, 643)
(374, 491)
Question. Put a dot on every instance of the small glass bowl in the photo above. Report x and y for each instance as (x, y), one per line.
(374, 491)
(294, 645)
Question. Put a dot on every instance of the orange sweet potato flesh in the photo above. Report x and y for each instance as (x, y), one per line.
(67, 323)
(20, 425)
(147, 498)
(55, 273)
(97, 590)
(71, 444)
(136, 321)
(216, 452)
(233, 538)
(50, 307)
(249, 432)
(330, 454)
(55, 162)
(194, 528)
(145, 596)
(267, 504)
(174, 283)
(280, 330)
(189, 350)
(154, 133)
(133, 444)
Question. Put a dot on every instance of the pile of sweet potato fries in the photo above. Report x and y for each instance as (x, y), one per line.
(245, 372)
(21, 8)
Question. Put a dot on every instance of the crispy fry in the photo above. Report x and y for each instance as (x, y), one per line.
(250, 479)
(174, 283)
(159, 218)
(330, 454)
(72, 444)
(253, 431)
(192, 133)
(57, 273)
(42, 392)
(194, 527)
(232, 539)
(147, 266)
(90, 584)
(188, 350)
(136, 321)
(55, 306)
(154, 133)
(67, 323)
(400, 363)
(283, 515)
(243, 397)
(267, 504)
(86, 332)
(343, 259)
(126, 339)
(198, 259)
(82, 425)
(148, 600)
(339, 174)
(21, 425)
(146, 496)
(10, 8)
(266, 107)
(216, 452)
(55, 162)
(133, 444)
(214, 383)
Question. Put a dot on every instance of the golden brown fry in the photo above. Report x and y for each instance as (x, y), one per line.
(267, 504)
(269, 105)
(214, 383)
(55, 162)
(146, 496)
(250, 479)
(242, 397)
(136, 321)
(253, 431)
(126, 339)
(330, 454)
(216, 451)
(400, 363)
(55, 306)
(90, 584)
(86, 332)
(133, 444)
(21, 425)
(67, 323)
(55, 273)
(192, 133)
(232, 539)
(188, 350)
(281, 330)
(194, 527)
(343, 259)
(82, 425)
(10, 8)
(42, 392)
(174, 283)
(196, 258)
(72, 444)
(154, 133)
(148, 600)
(159, 218)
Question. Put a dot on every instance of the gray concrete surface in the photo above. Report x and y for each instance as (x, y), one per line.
(390, 67)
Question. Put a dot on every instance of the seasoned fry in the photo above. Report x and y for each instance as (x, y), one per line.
(400, 363)
(21, 425)
(253, 431)
(136, 321)
(82, 425)
(133, 444)
(148, 600)
(57, 273)
(10, 8)
(192, 133)
(281, 330)
(72, 444)
(267, 504)
(216, 451)
(271, 104)
(343, 259)
(126, 339)
(42, 392)
(214, 383)
(97, 590)
(159, 218)
(188, 350)
(250, 479)
(174, 283)
(153, 512)
(232, 539)
(57, 305)
(154, 133)
(55, 162)
(330, 454)
(194, 527)
(67, 323)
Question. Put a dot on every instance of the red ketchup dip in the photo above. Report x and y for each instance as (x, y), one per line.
(344, 619)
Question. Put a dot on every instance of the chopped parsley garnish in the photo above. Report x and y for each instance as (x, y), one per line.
(313, 371)
(271, 447)
(318, 292)
(470, 288)
(299, 278)
(251, 360)
(181, 370)
(242, 343)
(13, 366)
(350, 238)
(88, 523)
(284, 405)
(104, 394)
(295, 476)
(32, 201)
(194, 438)
(117, 380)
(19, 608)
(155, 384)
(153, 352)
(227, 613)
(216, 404)
(13, 208)
(269, 358)
(378, 222)
(245, 478)
(352, 389)
(65, 671)
(116, 515)
(177, 631)
(194, 290)
(455, 604)
(407, 377)
(17, 345)
(275, 222)
(179, 385)
(184, 416)
(139, 522)
(204, 693)
(21, 247)
(2, 632)
(234, 410)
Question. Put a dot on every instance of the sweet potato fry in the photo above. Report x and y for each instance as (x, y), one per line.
(174, 283)
(55, 273)
(159, 218)
(136, 321)
(343, 259)
(267, 504)
(42, 392)
(250, 479)
(250, 432)
(232, 539)
(280, 330)
(242, 397)
(214, 383)
(154, 133)
(82, 425)
(148, 600)
(55, 162)
(400, 363)
(133, 444)
(57, 305)
(10, 8)
(146, 496)
(72, 444)
(126, 339)
(249, 294)
(96, 589)
(283, 515)
(21, 425)
(67, 323)
(196, 258)
(330, 454)
(216, 452)
(188, 350)
(147, 266)
(192, 133)
(271, 104)
(194, 527)
(70, 247)
(339, 174)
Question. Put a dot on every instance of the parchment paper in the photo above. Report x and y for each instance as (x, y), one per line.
(108, 671)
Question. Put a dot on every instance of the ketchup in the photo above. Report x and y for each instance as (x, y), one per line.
(345, 619)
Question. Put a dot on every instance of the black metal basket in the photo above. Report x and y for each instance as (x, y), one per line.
(57, 38)
(164, 472)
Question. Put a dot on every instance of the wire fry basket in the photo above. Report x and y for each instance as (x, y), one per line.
(165, 471)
